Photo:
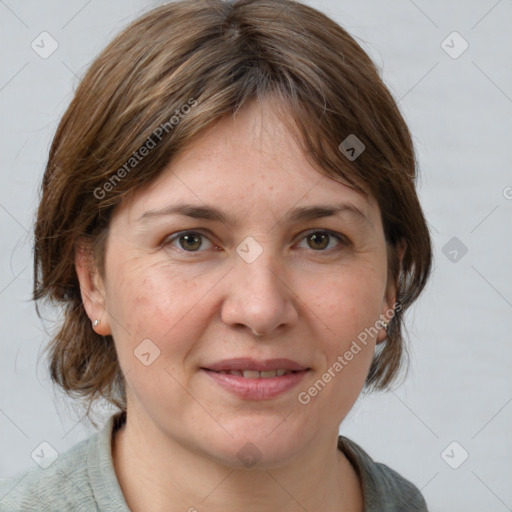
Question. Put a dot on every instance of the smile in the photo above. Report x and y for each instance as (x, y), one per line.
(252, 379)
(254, 374)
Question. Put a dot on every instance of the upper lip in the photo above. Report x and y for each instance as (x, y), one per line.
(247, 363)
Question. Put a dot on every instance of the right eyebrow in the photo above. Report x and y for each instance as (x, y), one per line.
(189, 210)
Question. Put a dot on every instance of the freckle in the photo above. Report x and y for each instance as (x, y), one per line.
(141, 299)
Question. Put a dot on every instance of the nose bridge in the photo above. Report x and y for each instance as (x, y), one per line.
(257, 296)
(261, 275)
(258, 258)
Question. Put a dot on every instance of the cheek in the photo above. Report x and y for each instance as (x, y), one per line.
(345, 308)
(347, 302)
(146, 302)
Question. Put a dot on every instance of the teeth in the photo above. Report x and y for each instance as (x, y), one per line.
(253, 374)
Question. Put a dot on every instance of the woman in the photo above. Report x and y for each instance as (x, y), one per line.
(229, 218)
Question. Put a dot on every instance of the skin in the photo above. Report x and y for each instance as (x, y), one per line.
(301, 299)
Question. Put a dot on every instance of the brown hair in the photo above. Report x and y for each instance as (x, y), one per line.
(163, 80)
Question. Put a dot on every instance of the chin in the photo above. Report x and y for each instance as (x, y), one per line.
(259, 443)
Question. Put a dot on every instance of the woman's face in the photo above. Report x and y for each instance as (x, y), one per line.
(241, 256)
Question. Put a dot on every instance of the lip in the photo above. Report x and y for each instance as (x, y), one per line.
(256, 389)
(247, 363)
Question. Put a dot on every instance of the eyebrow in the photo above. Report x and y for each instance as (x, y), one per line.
(296, 215)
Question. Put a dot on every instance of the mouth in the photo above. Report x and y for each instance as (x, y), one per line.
(255, 374)
(256, 380)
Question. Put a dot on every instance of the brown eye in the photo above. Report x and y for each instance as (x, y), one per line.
(322, 240)
(189, 241)
(319, 240)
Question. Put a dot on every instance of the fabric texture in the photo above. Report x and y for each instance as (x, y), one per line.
(83, 480)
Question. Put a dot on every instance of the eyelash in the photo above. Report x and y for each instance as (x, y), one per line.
(343, 241)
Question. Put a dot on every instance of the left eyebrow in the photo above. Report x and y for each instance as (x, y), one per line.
(317, 212)
(296, 215)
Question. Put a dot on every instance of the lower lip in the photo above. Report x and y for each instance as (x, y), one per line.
(256, 389)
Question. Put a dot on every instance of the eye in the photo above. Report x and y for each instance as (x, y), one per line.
(190, 241)
(322, 240)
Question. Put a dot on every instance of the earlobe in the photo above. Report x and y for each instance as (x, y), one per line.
(383, 332)
(92, 290)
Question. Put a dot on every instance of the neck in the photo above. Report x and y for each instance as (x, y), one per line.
(159, 474)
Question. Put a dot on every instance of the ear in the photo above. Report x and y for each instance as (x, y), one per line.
(389, 302)
(92, 289)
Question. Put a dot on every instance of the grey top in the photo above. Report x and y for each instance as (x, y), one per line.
(83, 480)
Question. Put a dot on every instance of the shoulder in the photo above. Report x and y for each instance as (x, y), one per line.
(82, 480)
(62, 486)
(384, 489)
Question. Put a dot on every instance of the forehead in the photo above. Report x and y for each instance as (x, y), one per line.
(249, 164)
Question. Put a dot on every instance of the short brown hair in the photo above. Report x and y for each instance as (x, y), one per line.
(215, 57)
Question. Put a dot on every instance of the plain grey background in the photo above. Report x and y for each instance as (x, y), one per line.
(456, 400)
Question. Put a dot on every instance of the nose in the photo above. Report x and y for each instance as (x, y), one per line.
(259, 299)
